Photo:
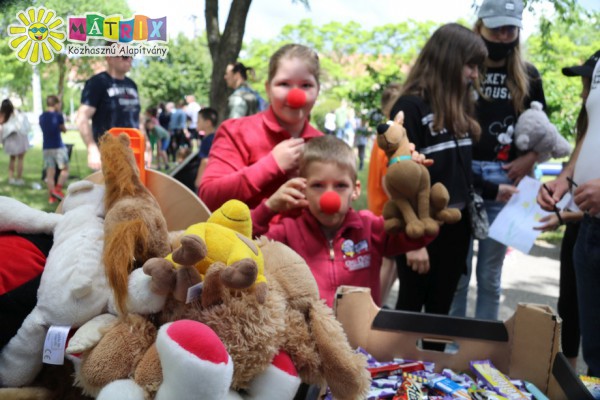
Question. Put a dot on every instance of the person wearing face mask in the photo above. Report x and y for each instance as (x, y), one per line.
(508, 87)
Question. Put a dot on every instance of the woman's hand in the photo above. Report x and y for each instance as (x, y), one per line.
(287, 153)
(520, 166)
(549, 223)
(289, 196)
(505, 192)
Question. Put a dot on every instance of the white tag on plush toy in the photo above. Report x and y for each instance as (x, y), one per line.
(194, 292)
(54, 345)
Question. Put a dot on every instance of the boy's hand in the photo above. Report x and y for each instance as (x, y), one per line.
(418, 260)
(289, 196)
(287, 153)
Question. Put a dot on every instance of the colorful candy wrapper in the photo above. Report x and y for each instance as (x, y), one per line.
(534, 391)
(592, 384)
(463, 380)
(496, 380)
(378, 393)
(390, 383)
(428, 366)
(409, 390)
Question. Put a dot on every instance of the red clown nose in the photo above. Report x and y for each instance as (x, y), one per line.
(296, 98)
(330, 202)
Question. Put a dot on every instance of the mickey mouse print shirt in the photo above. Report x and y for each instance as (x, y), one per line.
(497, 116)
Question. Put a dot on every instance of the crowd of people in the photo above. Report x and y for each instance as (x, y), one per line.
(459, 103)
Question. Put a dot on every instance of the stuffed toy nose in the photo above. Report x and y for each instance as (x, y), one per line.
(330, 202)
(296, 98)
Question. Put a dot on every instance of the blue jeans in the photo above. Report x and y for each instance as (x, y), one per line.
(586, 258)
(490, 256)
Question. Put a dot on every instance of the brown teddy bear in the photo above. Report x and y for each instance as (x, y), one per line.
(292, 334)
(414, 205)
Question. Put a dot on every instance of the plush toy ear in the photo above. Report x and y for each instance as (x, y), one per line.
(80, 186)
(124, 138)
(399, 118)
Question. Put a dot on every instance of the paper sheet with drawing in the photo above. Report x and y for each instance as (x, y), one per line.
(514, 224)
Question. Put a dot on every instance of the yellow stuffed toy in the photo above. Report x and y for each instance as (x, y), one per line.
(225, 237)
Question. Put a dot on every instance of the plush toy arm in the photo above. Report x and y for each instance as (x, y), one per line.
(21, 358)
(90, 333)
(142, 299)
(16, 216)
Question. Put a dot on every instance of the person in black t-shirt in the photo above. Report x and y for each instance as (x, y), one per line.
(109, 99)
(508, 87)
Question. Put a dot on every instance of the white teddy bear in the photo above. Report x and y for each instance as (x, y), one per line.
(534, 131)
(73, 287)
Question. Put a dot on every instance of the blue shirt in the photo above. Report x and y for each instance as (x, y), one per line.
(50, 122)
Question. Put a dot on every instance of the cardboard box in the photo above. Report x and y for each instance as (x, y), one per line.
(526, 346)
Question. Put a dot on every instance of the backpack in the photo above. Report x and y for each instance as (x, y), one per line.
(254, 100)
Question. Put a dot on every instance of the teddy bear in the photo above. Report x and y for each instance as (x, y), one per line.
(135, 228)
(291, 336)
(73, 287)
(534, 132)
(414, 205)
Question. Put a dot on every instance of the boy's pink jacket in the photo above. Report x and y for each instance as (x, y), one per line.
(354, 255)
(240, 164)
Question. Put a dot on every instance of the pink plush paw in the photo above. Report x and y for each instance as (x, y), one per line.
(194, 361)
(279, 381)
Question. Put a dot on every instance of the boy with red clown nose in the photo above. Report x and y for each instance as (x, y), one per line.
(340, 245)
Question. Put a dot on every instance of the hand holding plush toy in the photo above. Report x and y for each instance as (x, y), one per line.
(414, 205)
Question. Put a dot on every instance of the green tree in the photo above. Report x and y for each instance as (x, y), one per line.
(562, 46)
(185, 70)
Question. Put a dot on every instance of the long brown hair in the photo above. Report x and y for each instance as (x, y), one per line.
(517, 79)
(437, 76)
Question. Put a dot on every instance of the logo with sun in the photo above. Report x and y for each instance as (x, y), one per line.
(38, 35)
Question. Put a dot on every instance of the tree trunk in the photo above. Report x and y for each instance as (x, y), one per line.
(224, 48)
(61, 60)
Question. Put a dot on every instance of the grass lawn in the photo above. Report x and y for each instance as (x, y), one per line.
(32, 173)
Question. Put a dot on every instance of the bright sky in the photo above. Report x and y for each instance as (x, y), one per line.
(267, 17)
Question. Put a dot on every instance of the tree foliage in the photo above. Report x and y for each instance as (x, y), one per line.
(185, 70)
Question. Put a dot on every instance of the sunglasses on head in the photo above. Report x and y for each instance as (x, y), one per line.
(126, 57)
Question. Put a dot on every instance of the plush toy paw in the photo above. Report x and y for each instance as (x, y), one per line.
(415, 229)
(279, 381)
(240, 274)
(194, 361)
(192, 250)
(162, 273)
(89, 334)
(186, 277)
(125, 389)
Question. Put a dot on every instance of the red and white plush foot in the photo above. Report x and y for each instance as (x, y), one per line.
(125, 389)
(194, 361)
(279, 381)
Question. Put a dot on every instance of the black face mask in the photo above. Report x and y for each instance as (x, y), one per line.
(499, 51)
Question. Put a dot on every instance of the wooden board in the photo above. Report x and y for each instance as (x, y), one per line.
(180, 206)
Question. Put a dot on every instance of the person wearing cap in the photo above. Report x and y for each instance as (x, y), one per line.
(581, 176)
(508, 87)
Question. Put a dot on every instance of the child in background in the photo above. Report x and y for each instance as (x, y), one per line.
(251, 157)
(55, 152)
(162, 138)
(207, 123)
(340, 245)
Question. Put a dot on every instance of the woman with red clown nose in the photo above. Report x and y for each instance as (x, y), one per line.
(251, 157)
(340, 245)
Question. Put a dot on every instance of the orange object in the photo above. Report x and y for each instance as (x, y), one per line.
(138, 145)
(376, 197)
